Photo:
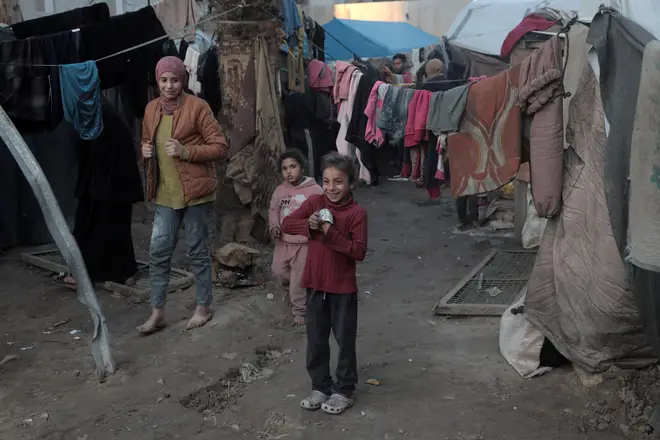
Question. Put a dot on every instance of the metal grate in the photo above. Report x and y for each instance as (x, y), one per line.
(53, 261)
(491, 287)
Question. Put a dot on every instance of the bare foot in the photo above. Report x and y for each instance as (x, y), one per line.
(156, 322)
(202, 316)
(298, 321)
(69, 280)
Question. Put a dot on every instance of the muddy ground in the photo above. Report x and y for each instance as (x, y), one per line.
(242, 376)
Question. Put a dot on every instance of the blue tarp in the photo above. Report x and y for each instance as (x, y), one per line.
(369, 39)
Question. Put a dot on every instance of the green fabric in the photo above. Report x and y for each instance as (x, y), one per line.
(170, 188)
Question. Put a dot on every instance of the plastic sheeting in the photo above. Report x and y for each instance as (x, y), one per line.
(369, 39)
(483, 25)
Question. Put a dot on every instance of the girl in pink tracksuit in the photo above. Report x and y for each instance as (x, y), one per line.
(291, 250)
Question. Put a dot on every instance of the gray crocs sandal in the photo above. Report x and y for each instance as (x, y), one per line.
(314, 401)
(337, 404)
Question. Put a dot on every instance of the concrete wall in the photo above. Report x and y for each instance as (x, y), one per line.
(432, 16)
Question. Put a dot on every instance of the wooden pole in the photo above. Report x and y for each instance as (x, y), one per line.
(67, 245)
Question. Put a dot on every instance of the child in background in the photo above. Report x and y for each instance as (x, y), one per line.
(291, 250)
(337, 230)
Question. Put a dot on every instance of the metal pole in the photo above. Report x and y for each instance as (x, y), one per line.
(67, 245)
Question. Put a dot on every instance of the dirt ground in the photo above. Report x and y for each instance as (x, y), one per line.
(242, 376)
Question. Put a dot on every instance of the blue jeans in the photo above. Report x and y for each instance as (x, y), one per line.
(164, 237)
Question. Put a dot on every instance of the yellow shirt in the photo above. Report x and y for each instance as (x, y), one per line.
(170, 188)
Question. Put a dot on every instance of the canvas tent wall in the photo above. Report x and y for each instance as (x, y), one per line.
(646, 13)
(370, 39)
(483, 25)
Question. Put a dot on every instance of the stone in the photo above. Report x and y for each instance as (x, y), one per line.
(236, 256)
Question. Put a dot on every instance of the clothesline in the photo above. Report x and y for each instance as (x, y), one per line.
(308, 41)
(181, 32)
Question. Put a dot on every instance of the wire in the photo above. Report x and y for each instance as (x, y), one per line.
(178, 34)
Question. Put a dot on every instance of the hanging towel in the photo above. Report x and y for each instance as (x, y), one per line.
(192, 64)
(81, 98)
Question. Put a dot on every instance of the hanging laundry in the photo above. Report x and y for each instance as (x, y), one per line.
(343, 80)
(319, 42)
(207, 75)
(320, 77)
(192, 63)
(64, 21)
(290, 18)
(394, 115)
(133, 69)
(177, 14)
(60, 48)
(541, 94)
(358, 126)
(345, 113)
(24, 90)
(415, 131)
(446, 109)
(373, 134)
(81, 98)
(485, 153)
(532, 22)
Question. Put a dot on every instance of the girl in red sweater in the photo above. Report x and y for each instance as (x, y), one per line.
(336, 227)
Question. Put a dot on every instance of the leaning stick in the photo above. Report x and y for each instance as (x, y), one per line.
(67, 245)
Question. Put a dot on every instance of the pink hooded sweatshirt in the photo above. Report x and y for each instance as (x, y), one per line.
(286, 199)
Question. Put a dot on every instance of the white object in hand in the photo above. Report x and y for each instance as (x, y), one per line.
(326, 216)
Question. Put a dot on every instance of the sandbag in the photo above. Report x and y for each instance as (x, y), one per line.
(521, 342)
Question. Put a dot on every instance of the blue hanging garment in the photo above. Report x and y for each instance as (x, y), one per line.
(81, 98)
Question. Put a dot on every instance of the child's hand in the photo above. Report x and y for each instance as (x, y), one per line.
(315, 222)
(276, 233)
(325, 226)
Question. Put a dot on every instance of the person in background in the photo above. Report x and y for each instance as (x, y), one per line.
(291, 250)
(466, 206)
(180, 141)
(108, 185)
(399, 64)
(399, 73)
(336, 227)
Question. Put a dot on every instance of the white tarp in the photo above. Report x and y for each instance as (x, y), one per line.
(483, 25)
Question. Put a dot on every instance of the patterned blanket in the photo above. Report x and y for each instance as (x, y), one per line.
(485, 154)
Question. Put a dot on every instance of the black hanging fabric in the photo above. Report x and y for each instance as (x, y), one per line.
(319, 43)
(133, 69)
(64, 21)
(209, 78)
(358, 126)
(183, 49)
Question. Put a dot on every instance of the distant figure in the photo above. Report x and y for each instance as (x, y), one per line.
(399, 64)
(399, 74)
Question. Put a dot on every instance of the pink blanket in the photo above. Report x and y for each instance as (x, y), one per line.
(418, 111)
(320, 77)
(343, 80)
(373, 134)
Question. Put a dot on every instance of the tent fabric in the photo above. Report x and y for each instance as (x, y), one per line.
(483, 25)
(646, 13)
(369, 39)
